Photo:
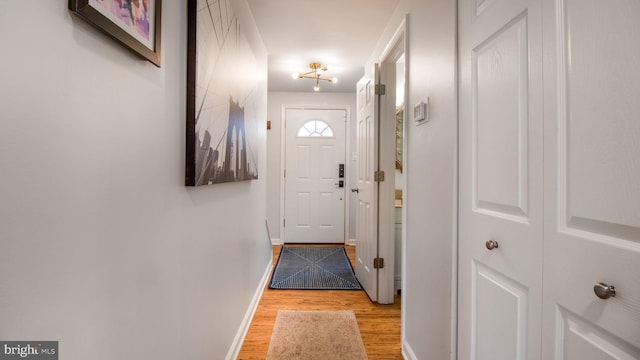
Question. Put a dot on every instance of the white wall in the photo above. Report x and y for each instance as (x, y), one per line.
(101, 246)
(276, 100)
(430, 195)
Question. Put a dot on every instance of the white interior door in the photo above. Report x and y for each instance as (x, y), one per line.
(367, 210)
(386, 188)
(592, 172)
(314, 187)
(500, 172)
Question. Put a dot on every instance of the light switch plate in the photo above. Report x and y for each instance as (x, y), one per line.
(421, 111)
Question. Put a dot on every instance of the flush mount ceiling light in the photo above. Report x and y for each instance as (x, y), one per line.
(315, 73)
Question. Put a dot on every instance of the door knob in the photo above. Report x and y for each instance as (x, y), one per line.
(356, 190)
(604, 291)
(491, 244)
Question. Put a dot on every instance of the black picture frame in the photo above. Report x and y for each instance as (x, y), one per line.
(190, 156)
(84, 10)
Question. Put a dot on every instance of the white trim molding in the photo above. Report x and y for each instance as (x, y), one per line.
(236, 345)
(407, 352)
(397, 282)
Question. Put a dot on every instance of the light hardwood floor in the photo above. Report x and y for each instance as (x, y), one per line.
(379, 324)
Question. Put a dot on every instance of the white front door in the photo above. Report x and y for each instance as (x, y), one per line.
(314, 189)
(500, 172)
(592, 179)
(367, 210)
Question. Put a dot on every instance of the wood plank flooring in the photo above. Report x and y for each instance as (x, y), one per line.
(379, 324)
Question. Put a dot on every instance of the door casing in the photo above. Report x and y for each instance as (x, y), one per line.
(396, 47)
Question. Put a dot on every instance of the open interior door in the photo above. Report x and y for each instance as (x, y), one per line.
(375, 244)
(367, 211)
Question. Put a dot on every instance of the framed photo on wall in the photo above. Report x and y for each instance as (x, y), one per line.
(134, 23)
(222, 94)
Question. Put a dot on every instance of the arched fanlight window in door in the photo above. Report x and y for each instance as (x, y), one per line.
(315, 128)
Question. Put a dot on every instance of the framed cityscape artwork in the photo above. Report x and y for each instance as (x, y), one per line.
(222, 126)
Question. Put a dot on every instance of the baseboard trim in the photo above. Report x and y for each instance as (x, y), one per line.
(234, 351)
(276, 242)
(397, 283)
(407, 352)
(352, 242)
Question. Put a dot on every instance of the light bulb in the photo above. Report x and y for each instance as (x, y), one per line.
(316, 88)
(295, 76)
(334, 80)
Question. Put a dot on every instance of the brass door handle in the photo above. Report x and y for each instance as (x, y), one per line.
(491, 244)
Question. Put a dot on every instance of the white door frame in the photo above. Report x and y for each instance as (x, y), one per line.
(283, 152)
(397, 45)
(401, 35)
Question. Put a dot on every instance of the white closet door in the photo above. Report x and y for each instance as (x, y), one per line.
(500, 196)
(592, 179)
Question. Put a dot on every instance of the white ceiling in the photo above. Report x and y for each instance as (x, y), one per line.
(338, 33)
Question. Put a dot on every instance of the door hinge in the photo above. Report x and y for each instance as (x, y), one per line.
(378, 263)
(285, 173)
(380, 89)
(284, 222)
(378, 176)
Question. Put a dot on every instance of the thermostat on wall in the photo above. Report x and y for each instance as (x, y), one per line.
(421, 111)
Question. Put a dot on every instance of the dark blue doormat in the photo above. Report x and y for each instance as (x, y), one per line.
(314, 268)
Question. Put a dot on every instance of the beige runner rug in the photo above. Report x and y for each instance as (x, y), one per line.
(311, 335)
